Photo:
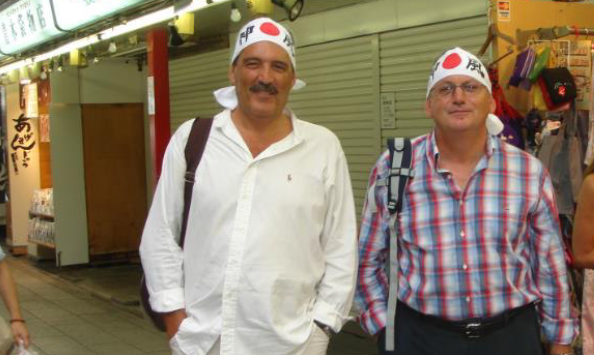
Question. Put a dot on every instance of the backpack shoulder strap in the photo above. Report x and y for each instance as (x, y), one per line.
(193, 152)
(400, 171)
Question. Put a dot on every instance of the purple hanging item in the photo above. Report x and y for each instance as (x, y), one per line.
(522, 68)
(512, 132)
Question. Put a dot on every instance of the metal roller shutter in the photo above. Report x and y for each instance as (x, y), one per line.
(340, 96)
(191, 83)
(406, 57)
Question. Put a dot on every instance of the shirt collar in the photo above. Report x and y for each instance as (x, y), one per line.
(223, 122)
(493, 145)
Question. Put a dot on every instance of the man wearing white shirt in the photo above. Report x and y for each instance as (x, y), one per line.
(269, 261)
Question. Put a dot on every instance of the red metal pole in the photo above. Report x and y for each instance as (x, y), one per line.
(160, 125)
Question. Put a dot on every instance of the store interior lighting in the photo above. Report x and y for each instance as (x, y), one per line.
(235, 14)
(156, 17)
(175, 39)
(112, 47)
(60, 64)
(43, 75)
(292, 7)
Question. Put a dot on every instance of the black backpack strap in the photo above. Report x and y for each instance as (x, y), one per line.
(400, 171)
(193, 152)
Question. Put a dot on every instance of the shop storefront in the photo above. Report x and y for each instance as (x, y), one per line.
(543, 54)
(77, 163)
(74, 137)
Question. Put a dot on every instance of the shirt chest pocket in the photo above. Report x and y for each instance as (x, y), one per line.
(506, 223)
(427, 229)
(294, 190)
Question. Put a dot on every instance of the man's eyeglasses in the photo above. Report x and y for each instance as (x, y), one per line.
(448, 89)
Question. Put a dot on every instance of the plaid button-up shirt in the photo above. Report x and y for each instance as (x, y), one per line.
(469, 253)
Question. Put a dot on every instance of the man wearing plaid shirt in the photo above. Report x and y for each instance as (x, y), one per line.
(480, 263)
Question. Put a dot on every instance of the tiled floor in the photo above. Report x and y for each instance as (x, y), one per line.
(65, 319)
(94, 311)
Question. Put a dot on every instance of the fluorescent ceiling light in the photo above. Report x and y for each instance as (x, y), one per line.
(131, 26)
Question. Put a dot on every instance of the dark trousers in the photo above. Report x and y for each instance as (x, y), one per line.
(416, 336)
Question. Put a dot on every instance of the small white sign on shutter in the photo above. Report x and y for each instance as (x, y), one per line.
(388, 112)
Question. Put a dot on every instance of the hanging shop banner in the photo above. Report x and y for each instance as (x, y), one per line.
(25, 24)
(44, 128)
(31, 101)
(71, 14)
(22, 143)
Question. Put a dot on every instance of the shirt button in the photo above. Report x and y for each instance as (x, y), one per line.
(462, 234)
(468, 299)
(464, 266)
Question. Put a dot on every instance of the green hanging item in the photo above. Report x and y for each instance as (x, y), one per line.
(542, 58)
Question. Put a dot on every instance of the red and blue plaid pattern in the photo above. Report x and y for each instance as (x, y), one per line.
(469, 253)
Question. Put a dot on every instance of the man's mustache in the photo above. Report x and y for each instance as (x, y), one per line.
(263, 87)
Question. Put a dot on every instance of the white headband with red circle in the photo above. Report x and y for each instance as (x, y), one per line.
(258, 30)
(457, 61)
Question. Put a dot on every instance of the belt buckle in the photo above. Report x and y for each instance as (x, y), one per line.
(472, 330)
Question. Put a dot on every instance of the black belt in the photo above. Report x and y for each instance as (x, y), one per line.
(475, 327)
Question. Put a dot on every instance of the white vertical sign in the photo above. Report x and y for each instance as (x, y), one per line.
(150, 86)
(32, 101)
(388, 111)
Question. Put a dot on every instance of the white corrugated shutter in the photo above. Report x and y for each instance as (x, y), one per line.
(191, 83)
(340, 96)
(406, 57)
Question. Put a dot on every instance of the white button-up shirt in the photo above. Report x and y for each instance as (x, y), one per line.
(270, 244)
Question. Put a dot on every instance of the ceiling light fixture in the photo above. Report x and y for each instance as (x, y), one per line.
(112, 47)
(43, 74)
(292, 7)
(175, 40)
(235, 14)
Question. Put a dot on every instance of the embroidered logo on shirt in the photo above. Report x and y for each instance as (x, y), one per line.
(289, 178)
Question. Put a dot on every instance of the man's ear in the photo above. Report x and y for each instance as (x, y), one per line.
(493, 105)
(428, 108)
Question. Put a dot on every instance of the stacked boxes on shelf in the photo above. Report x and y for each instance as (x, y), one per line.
(41, 218)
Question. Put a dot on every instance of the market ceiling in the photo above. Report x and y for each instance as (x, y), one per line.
(32, 31)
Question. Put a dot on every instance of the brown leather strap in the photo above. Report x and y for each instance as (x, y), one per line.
(194, 150)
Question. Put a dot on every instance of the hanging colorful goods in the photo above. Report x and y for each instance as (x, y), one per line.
(557, 86)
(511, 118)
(542, 58)
(522, 68)
(533, 123)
